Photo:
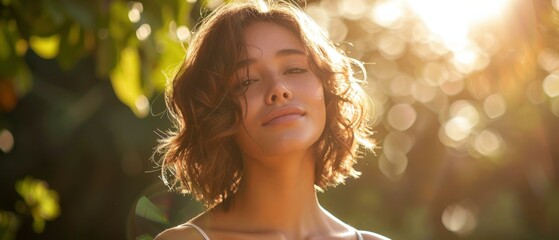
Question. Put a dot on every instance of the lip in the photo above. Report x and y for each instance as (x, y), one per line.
(283, 114)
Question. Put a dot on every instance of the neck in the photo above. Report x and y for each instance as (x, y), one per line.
(278, 194)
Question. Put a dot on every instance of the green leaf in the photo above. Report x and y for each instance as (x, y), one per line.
(120, 27)
(126, 82)
(9, 61)
(146, 209)
(171, 54)
(45, 47)
(40, 201)
(106, 57)
(73, 45)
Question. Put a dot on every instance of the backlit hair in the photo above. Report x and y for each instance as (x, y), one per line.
(200, 156)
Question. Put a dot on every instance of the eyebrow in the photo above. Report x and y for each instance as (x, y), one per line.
(280, 53)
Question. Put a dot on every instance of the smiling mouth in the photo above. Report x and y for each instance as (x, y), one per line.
(283, 115)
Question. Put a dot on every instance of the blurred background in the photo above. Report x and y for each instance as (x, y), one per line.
(465, 92)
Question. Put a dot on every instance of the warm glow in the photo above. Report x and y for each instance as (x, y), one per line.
(458, 128)
(386, 14)
(463, 118)
(465, 60)
(352, 9)
(452, 20)
(391, 45)
(422, 92)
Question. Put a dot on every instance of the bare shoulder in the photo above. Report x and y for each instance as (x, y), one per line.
(179, 232)
(372, 236)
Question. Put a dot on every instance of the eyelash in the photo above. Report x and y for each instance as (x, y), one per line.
(295, 71)
(247, 82)
(244, 84)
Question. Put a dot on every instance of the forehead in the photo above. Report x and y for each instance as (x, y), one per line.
(268, 37)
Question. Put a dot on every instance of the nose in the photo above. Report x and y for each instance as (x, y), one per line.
(279, 93)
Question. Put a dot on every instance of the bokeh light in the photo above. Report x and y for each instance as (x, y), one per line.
(453, 87)
(495, 106)
(422, 92)
(183, 33)
(387, 14)
(143, 32)
(551, 85)
(397, 141)
(391, 45)
(6, 141)
(135, 11)
(352, 9)
(451, 20)
(460, 218)
(401, 116)
(463, 117)
(143, 106)
(393, 165)
(548, 60)
(488, 143)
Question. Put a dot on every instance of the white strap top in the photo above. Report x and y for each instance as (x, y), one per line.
(198, 229)
(357, 233)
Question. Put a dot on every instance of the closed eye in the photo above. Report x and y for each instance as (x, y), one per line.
(244, 84)
(247, 82)
(295, 71)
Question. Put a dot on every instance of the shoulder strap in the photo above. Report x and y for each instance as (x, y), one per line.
(358, 234)
(198, 229)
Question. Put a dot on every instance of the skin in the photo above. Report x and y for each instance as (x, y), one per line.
(284, 115)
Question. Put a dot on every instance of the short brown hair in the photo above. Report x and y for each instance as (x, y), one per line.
(200, 156)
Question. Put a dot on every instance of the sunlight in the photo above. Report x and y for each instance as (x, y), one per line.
(452, 20)
(386, 14)
(463, 118)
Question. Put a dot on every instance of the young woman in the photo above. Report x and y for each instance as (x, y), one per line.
(266, 111)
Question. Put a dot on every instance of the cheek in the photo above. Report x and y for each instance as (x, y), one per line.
(318, 103)
(317, 94)
(248, 105)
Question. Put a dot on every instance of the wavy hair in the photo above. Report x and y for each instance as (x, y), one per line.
(200, 156)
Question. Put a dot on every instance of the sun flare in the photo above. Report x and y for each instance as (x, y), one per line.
(452, 20)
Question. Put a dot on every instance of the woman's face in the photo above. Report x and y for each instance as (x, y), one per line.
(283, 104)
